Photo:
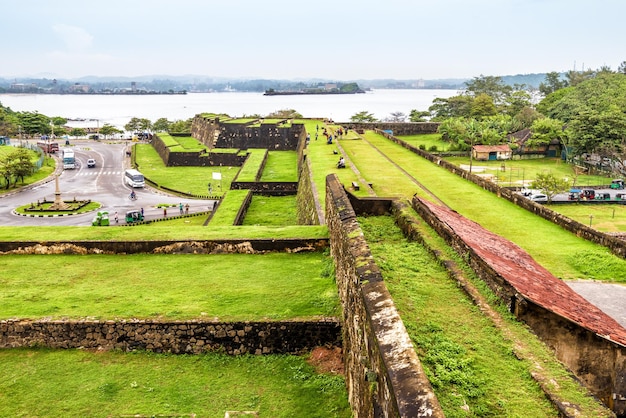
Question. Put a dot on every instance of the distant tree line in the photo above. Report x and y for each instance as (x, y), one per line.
(585, 111)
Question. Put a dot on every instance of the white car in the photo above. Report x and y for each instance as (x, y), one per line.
(91, 163)
(539, 198)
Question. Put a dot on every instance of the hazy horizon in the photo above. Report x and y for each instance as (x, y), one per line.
(329, 40)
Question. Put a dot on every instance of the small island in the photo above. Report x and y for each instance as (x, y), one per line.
(330, 88)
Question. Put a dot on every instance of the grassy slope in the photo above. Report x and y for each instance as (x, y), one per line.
(561, 252)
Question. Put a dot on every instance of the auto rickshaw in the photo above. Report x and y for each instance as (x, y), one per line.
(101, 219)
(617, 184)
(133, 216)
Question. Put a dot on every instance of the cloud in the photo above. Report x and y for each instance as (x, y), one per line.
(74, 37)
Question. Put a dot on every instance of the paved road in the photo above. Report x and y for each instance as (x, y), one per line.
(103, 183)
(606, 296)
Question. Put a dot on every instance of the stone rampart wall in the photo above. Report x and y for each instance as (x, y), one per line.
(273, 188)
(398, 128)
(383, 373)
(270, 136)
(596, 360)
(197, 158)
(164, 247)
(179, 337)
(309, 208)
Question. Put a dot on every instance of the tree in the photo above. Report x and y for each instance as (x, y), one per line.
(16, 164)
(549, 185)
(577, 77)
(107, 130)
(452, 107)
(363, 116)
(419, 116)
(552, 83)
(491, 86)
(545, 130)
(397, 117)
(138, 125)
(483, 106)
(181, 126)
(284, 114)
(78, 132)
(22, 164)
(622, 68)
(34, 123)
(161, 125)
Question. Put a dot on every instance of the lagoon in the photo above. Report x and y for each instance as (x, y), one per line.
(117, 110)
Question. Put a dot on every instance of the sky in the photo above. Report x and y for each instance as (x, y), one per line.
(338, 40)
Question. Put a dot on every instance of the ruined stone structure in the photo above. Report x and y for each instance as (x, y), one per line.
(214, 133)
(588, 341)
(383, 373)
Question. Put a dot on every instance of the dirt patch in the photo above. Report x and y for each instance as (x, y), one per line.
(327, 360)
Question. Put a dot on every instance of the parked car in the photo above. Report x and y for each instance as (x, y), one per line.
(91, 163)
(539, 198)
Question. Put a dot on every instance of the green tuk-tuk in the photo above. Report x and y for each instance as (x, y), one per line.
(101, 219)
(617, 184)
(133, 216)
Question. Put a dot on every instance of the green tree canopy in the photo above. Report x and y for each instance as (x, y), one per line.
(363, 116)
(549, 185)
(108, 130)
(593, 111)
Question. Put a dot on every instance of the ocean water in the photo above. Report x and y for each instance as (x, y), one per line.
(117, 110)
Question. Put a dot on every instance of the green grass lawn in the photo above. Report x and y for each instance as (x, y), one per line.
(252, 165)
(281, 166)
(272, 211)
(167, 230)
(231, 287)
(562, 253)
(194, 180)
(77, 383)
(428, 142)
(603, 217)
(518, 172)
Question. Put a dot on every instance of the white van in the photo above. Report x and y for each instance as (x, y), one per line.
(134, 178)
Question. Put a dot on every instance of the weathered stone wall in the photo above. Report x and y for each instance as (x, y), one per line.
(597, 360)
(198, 158)
(383, 374)
(179, 337)
(273, 188)
(164, 247)
(613, 243)
(404, 128)
(270, 136)
(309, 208)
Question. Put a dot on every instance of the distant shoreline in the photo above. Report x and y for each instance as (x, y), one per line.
(295, 93)
(102, 93)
